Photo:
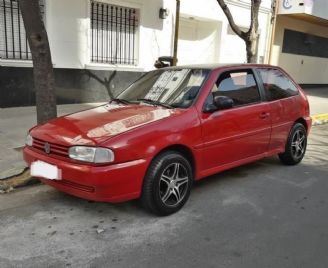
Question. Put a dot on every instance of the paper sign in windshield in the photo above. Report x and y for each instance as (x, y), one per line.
(167, 83)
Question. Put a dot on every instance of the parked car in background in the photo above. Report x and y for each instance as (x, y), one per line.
(169, 128)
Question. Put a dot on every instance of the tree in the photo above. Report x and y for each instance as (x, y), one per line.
(44, 81)
(251, 36)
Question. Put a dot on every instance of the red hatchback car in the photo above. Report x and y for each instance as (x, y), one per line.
(169, 128)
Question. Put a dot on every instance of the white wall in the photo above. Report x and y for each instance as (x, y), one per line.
(68, 27)
(156, 37)
(231, 48)
(199, 41)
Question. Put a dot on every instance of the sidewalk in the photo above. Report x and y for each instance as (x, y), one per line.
(15, 122)
(318, 98)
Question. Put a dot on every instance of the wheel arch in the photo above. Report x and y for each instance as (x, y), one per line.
(183, 150)
(302, 121)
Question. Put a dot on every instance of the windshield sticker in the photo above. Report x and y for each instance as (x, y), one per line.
(167, 83)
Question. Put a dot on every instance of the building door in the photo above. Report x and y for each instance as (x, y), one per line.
(198, 42)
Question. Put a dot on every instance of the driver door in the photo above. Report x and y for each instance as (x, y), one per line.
(238, 134)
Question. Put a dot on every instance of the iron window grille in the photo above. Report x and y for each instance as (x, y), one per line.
(113, 34)
(13, 40)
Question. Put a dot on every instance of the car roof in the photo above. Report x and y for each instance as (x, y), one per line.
(221, 65)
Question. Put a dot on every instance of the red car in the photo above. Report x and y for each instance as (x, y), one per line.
(169, 128)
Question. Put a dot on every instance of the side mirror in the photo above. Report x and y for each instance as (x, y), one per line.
(223, 102)
(218, 103)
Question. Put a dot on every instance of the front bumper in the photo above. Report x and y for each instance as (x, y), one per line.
(112, 183)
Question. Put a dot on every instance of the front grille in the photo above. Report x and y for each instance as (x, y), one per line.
(55, 149)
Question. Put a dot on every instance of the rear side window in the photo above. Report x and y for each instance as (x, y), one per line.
(240, 86)
(276, 84)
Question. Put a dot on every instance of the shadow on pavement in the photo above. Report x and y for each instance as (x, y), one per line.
(317, 92)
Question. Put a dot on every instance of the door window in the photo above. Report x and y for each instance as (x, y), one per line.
(239, 85)
(276, 84)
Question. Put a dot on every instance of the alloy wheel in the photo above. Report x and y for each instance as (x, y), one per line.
(298, 144)
(173, 184)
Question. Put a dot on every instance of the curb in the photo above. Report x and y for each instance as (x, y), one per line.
(319, 119)
(19, 180)
(8, 173)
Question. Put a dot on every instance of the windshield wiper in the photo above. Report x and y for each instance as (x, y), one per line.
(156, 103)
(120, 101)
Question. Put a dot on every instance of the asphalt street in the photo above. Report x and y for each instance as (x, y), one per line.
(260, 215)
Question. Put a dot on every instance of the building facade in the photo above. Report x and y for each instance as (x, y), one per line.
(301, 40)
(100, 46)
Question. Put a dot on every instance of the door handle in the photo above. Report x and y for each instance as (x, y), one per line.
(264, 115)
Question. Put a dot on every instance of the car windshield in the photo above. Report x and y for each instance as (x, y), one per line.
(176, 88)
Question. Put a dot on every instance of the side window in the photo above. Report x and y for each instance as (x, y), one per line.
(276, 84)
(239, 85)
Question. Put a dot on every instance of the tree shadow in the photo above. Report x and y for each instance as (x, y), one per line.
(106, 82)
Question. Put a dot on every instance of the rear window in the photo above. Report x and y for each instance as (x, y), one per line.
(276, 84)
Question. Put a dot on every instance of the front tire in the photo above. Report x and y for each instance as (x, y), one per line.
(167, 184)
(295, 146)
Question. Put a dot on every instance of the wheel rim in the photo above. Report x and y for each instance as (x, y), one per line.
(298, 144)
(173, 184)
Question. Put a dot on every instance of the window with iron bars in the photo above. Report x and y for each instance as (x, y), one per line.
(113, 34)
(13, 40)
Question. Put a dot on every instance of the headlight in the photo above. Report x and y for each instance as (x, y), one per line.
(29, 140)
(91, 154)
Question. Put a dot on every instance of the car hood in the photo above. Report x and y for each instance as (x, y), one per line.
(95, 125)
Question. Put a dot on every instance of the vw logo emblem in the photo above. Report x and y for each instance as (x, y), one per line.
(47, 148)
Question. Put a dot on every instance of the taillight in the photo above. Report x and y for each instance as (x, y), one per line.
(306, 101)
(307, 107)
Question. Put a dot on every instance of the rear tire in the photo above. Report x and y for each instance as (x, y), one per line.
(295, 146)
(167, 184)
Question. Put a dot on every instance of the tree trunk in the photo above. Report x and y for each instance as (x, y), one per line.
(251, 36)
(44, 82)
(251, 50)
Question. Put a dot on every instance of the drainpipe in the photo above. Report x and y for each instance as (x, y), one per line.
(273, 29)
(176, 33)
